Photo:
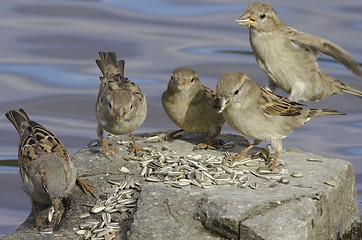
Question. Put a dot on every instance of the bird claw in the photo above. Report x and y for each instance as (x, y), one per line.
(271, 158)
(39, 224)
(134, 148)
(86, 187)
(204, 146)
(172, 135)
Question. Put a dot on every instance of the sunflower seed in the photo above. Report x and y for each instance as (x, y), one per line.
(330, 183)
(314, 160)
(84, 215)
(143, 171)
(113, 225)
(296, 175)
(273, 184)
(153, 179)
(97, 209)
(50, 214)
(255, 173)
(124, 170)
(114, 182)
(228, 145)
(284, 180)
(253, 185)
(46, 231)
(243, 179)
(81, 231)
(106, 217)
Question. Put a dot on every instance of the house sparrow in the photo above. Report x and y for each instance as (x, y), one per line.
(191, 106)
(47, 171)
(121, 106)
(259, 114)
(288, 56)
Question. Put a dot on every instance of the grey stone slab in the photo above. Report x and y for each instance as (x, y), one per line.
(321, 204)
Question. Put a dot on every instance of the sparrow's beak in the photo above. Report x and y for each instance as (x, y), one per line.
(223, 103)
(121, 115)
(181, 84)
(246, 20)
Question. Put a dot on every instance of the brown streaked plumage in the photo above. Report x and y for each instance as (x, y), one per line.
(121, 106)
(289, 56)
(258, 113)
(47, 171)
(192, 106)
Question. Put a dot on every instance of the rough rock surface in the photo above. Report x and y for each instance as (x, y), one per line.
(206, 197)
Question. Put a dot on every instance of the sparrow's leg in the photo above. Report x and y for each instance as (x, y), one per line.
(273, 157)
(134, 146)
(39, 224)
(106, 149)
(214, 131)
(244, 153)
(276, 148)
(56, 202)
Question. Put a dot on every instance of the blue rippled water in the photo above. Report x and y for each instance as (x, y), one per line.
(48, 48)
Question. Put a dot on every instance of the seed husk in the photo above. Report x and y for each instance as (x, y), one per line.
(84, 215)
(330, 183)
(97, 209)
(253, 185)
(296, 175)
(124, 170)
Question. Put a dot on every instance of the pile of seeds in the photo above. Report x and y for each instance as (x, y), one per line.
(121, 198)
(201, 170)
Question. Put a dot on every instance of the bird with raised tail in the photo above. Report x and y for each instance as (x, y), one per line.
(192, 106)
(47, 171)
(289, 56)
(259, 114)
(121, 106)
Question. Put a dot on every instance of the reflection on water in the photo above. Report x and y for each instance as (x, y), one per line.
(175, 8)
(55, 75)
(47, 66)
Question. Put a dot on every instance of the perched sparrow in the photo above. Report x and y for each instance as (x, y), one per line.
(259, 114)
(192, 106)
(121, 106)
(288, 56)
(47, 171)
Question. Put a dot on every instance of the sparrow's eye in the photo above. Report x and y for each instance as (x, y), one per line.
(110, 105)
(236, 92)
(130, 107)
(171, 78)
(192, 80)
(262, 16)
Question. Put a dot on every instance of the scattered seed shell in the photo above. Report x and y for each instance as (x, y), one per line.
(124, 170)
(330, 183)
(253, 185)
(228, 145)
(81, 231)
(97, 209)
(296, 175)
(84, 215)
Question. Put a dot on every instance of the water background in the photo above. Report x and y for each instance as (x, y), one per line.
(48, 48)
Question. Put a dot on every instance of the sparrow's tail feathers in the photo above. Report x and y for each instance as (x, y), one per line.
(18, 118)
(324, 112)
(109, 65)
(351, 90)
